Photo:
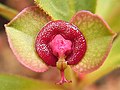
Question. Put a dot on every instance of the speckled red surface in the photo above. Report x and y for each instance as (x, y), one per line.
(66, 30)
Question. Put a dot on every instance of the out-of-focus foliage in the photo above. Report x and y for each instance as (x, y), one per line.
(110, 11)
(10, 82)
(64, 10)
(7, 12)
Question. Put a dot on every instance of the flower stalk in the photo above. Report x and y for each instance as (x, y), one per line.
(62, 65)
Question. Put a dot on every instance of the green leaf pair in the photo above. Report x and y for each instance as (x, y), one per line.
(22, 30)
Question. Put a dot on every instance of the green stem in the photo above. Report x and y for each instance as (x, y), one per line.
(7, 12)
(71, 75)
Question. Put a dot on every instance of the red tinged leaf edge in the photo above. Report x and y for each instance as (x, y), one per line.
(19, 58)
(74, 67)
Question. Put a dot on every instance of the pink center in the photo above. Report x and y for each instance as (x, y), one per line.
(60, 46)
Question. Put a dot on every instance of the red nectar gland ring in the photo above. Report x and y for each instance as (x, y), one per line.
(60, 43)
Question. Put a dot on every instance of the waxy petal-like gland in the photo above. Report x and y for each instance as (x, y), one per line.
(66, 30)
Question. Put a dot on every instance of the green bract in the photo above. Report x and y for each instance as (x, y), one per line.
(99, 40)
(22, 30)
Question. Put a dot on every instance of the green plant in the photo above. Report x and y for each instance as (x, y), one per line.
(28, 23)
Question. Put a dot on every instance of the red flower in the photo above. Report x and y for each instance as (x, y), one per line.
(83, 43)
